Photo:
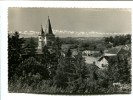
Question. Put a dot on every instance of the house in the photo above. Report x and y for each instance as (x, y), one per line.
(102, 62)
(89, 52)
(115, 53)
(120, 51)
(90, 60)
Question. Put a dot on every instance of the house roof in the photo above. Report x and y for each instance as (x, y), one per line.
(117, 50)
(113, 50)
(108, 54)
(102, 58)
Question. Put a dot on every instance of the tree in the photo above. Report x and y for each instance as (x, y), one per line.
(58, 47)
(80, 74)
(46, 56)
(69, 53)
(31, 47)
(118, 40)
(71, 73)
(124, 71)
(31, 67)
(128, 38)
(55, 56)
(15, 50)
(119, 69)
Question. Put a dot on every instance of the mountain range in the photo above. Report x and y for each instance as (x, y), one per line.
(64, 33)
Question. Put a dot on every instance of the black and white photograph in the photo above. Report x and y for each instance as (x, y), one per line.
(69, 51)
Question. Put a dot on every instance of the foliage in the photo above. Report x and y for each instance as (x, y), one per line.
(71, 73)
(95, 83)
(120, 69)
(118, 40)
(30, 67)
(124, 71)
(31, 47)
(60, 80)
(15, 50)
(21, 86)
(46, 55)
(57, 73)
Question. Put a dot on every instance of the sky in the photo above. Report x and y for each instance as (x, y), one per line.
(70, 20)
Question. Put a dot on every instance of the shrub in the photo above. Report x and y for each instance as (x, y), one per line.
(30, 67)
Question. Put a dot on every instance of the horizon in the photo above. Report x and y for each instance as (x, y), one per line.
(59, 33)
(35, 35)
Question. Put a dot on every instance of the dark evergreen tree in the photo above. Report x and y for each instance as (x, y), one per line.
(124, 71)
(46, 56)
(31, 47)
(58, 47)
(15, 50)
(69, 53)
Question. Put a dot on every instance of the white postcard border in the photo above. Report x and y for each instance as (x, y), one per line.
(56, 4)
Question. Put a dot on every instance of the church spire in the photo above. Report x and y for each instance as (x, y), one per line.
(42, 32)
(49, 27)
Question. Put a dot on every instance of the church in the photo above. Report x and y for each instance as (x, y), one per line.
(45, 37)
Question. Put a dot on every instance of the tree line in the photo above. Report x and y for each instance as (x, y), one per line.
(117, 40)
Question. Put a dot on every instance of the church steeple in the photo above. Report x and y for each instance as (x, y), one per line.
(42, 32)
(46, 37)
(40, 39)
(49, 27)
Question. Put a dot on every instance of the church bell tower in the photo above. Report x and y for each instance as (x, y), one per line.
(46, 38)
(50, 37)
(41, 39)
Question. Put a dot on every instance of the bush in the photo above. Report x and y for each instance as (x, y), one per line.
(60, 80)
(30, 67)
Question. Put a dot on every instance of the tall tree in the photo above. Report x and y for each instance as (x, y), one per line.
(15, 50)
(31, 47)
(124, 70)
(58, 47)
(46, 55)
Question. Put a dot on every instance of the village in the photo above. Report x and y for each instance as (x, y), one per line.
(102, 54)
(101, 58)
(69, 65)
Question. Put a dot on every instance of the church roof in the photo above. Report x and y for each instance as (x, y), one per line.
(42, 32)
(49, 27)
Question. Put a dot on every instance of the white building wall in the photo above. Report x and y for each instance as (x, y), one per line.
(40, 42)
(102, 63)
